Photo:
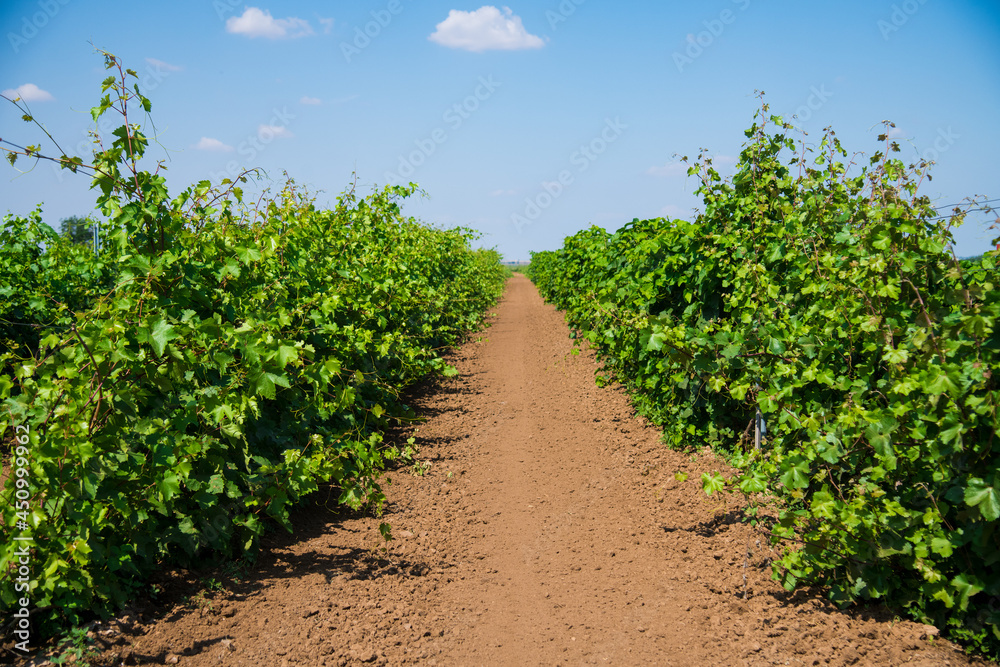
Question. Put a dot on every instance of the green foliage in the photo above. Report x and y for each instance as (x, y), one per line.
(827, 298)
(213, 366)
(76, 648)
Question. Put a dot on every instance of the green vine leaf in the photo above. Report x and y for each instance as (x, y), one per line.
(985, 497)
(710, 483)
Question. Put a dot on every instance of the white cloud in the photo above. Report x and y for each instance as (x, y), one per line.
(29, 92)
(267, 132)
(485, 29)
(314, 101)
(503, 193)
(327, 25)
(259, 23)
(209, 144)
(897, 132)
(166, 67)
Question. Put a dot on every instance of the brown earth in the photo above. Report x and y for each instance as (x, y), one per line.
(547, 528)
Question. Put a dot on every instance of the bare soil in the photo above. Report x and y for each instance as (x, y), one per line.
(547, 528)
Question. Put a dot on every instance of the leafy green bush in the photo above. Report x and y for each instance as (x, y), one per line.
(827, 298)
(212, 367)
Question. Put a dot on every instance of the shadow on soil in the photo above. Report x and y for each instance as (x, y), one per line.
(177, 591)
(813, 597)
(280, 555)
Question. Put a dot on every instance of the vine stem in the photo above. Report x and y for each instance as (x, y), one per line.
(100, 381)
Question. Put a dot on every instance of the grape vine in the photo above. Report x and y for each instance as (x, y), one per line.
(825, 294)
(216, 363)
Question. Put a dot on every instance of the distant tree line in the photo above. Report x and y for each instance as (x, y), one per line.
(78, 229)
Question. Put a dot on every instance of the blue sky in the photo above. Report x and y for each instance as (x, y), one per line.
(527, 122)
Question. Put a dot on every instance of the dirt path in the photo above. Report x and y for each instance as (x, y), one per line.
(548, 529)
